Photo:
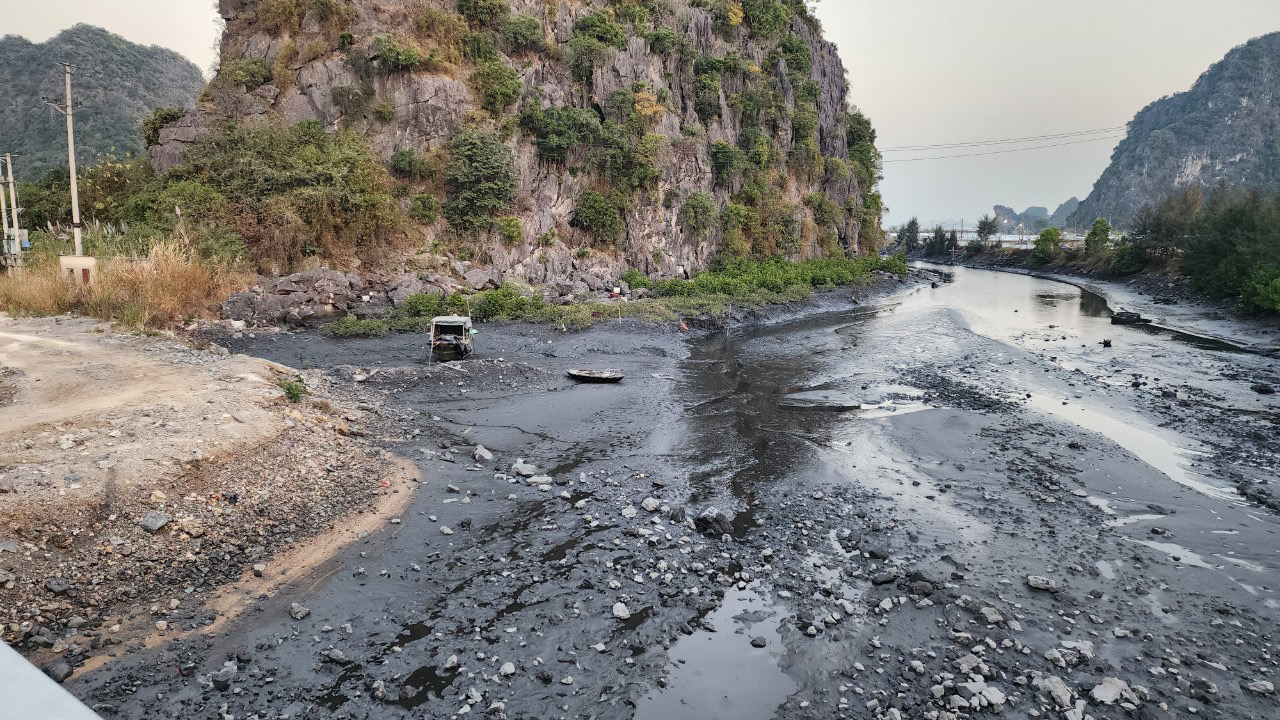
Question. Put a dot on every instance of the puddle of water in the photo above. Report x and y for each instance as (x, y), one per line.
(1242, 563)
(1147, 446)
(718, 675)
(888, 409)
(1102, 504)
(1121, 522)
(1157, 607)
(1185, 556)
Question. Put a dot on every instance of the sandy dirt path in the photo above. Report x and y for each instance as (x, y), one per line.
(144, 482)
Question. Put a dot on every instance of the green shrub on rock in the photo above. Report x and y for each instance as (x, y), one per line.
(480, 178)
(600, 216)
(483, 12)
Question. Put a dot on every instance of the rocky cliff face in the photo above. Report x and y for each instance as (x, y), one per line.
(716, 102)
(1226, 129)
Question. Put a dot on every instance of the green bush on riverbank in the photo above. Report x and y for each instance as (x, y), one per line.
(737, 282)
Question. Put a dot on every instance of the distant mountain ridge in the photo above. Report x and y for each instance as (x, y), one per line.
(1034, 219)
(1225, 129)
(117, 83)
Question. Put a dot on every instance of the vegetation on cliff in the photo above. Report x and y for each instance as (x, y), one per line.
(617, 176)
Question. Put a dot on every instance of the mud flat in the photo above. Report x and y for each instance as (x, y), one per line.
(952, 503)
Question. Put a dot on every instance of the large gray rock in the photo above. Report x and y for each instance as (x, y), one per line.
(483, 279)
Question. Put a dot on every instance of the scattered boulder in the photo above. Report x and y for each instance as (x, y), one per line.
(1261, 687)
(523, 469)
(620, 611)
(714, 523)
(482, 454)
(298, 612)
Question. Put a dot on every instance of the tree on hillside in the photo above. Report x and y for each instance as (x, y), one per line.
(987, 228)
(953, 241)
(909, 235)
(1099, 236)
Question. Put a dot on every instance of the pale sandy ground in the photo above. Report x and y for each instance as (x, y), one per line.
(99, 427)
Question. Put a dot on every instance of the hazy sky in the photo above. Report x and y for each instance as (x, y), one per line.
(941, 71)
(927, 72)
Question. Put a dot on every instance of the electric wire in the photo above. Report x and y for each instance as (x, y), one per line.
(1003, 152)
(1006, 141)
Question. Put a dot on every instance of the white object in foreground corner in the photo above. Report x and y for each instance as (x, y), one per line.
(29, 693)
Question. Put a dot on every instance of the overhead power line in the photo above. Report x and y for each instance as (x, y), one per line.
(1004, 152)
(1005, 141)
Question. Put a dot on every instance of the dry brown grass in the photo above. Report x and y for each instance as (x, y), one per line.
(169, 286)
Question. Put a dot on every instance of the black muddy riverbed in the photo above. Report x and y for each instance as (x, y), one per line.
(890, 474)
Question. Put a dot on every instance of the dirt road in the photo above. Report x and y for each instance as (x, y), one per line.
(138, 474)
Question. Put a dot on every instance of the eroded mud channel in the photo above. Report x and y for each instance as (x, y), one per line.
(957, 502)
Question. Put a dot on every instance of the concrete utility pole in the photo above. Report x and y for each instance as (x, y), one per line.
(69, 110)
(13, 196)
(4, 221)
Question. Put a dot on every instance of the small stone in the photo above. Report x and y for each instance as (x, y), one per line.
(621, 612)
(57, 586)
(59, 671)
(158, 496)
(759, 642)
(991, 616)
(566, 680)
(1059, 691)
(1036, 582)
(651, 504)
(1112, 689)
(446, 530)
(1261, 687)
(523, 469)
(507, 669)
(162, 625)
(153, 521)
(481, 454)
(298, 612)
(259, 569)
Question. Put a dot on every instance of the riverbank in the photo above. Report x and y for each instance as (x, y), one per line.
(138, 475)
